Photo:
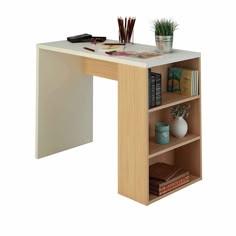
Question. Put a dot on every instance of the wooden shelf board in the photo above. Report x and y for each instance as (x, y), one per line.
(158, 149)
(170, 99)
(193, 179)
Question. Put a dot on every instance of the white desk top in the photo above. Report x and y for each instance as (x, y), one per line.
(77, 49)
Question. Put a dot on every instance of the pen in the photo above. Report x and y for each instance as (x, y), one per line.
(90, 49)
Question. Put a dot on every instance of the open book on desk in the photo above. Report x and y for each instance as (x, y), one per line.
(121, 50)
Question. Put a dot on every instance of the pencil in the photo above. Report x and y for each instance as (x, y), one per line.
(90, 49)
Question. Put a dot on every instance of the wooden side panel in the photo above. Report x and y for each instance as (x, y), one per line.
(133, 133)
(100, 68)
(64, 115)
(167, 157)
(189, 158)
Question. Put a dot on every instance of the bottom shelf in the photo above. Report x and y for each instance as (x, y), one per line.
(153, 198)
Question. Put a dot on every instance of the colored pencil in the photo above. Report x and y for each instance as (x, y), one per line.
(89, 49)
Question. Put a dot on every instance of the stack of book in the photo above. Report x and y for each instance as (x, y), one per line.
(164, 178)
(154, 89)
(182, 80)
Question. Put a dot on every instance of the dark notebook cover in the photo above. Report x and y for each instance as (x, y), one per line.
(158, 89)
(163, 171)
(154, 89)
(160, 183)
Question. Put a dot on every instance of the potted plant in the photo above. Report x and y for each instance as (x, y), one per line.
(164, 33)
(179, 126)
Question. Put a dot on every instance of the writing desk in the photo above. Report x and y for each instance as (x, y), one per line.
(65, 104)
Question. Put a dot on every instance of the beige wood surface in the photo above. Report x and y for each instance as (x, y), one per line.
(133, 163)
(64, 113)
(100, 68)
(171, 99)
(166, 157)
(157, 149)
(189, 157)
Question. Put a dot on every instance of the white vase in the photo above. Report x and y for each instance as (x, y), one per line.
(179, 127)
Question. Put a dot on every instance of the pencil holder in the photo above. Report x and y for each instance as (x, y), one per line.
(131, 40)
(162, 133)
(126, 29)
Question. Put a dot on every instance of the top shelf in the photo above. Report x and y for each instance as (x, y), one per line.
(170, 99)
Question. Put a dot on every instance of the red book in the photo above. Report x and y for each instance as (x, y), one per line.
(169, 187)
(164, 178)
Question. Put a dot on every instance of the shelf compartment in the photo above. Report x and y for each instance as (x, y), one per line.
(158, 149)
(193, 179)
(170, 99)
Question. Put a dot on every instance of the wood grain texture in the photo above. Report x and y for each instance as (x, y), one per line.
(64, 113)
(157, 149)
(170, 99)
(189, 157)
(133, 161)
(100, 68)
(166, 157)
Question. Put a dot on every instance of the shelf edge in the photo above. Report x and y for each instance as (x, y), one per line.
(187, 99)
(174, 147)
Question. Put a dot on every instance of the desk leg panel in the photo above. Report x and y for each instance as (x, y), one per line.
(64, 113)
(133, 133)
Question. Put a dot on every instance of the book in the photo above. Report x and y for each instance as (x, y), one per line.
(182, 80)
(161, 183)
(151, 90)
(163, 171)
(154, 89)
(164, 178)
(158, 89)
(173, 79)
(169, 187)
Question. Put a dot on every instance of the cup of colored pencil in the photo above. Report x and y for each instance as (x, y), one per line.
(126, 28)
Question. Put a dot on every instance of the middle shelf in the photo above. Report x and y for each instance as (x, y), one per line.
(158, 149)
(170, 99)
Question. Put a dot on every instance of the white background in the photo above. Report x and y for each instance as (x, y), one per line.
(75, 192)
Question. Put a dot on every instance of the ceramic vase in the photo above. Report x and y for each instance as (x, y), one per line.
(179, 127)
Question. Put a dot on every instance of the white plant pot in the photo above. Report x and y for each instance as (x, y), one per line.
(179, 127)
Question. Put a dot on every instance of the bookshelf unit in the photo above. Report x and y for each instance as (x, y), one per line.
(182, 152)
(64, 110)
